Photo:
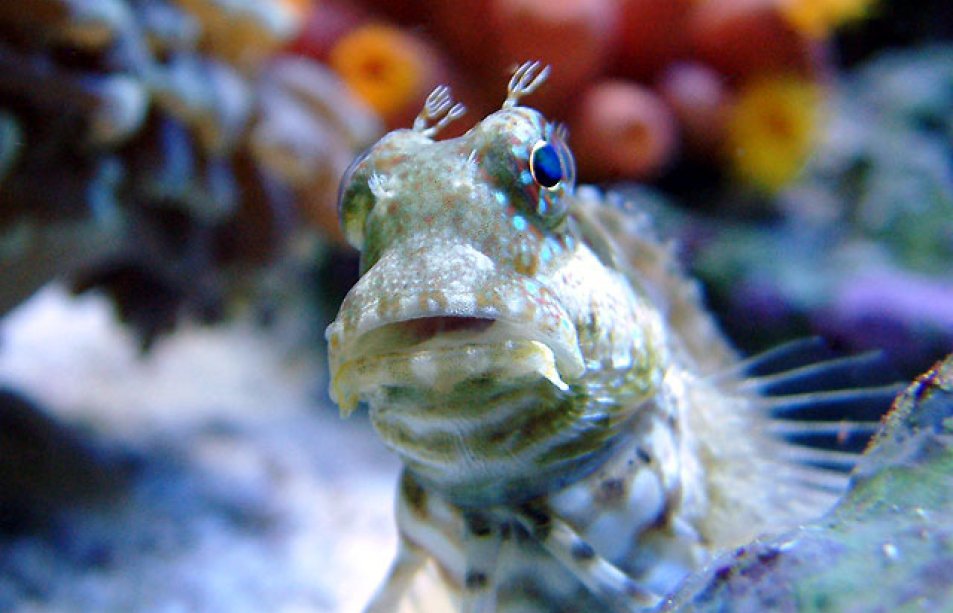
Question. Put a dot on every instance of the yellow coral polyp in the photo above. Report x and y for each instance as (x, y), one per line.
(817, 18)
(380, 64)
(772, 128)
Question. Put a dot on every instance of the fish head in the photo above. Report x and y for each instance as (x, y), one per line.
(478, 303)
(459, 237)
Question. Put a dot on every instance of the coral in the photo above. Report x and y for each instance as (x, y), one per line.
(541, 29)
(652, 35)
(307, 155)
(246, 32)
(700, 98)
(324, 25)
(859, 245)
(893, 523)
(138, 138)
(817, 18)
(696, 55)
(771, 129)
(743, 38)
(391, 70)
(897, 102)
(622, 130)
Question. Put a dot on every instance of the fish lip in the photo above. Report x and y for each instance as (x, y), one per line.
(437, 362)
(495, 330)
(453, 281)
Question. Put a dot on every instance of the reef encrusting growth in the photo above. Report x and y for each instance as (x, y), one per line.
(893, 524)
(156, 144)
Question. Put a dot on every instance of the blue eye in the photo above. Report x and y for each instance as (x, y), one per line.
(545, 165)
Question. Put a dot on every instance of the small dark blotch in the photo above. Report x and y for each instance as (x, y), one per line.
(643, 455)
(541, 521)
(723, 573)
(414, 494)
(768, 556)
(478, 525)
(663, 519)
(476, 580)
(611, 491)
(582, 551)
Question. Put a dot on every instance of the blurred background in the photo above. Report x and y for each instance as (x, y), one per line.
(170, 253)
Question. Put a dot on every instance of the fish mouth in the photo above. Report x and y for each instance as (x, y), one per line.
(438, 353)
(455, 319)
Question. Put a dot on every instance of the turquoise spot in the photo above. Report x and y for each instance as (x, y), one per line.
(519, 223)
(546, 253)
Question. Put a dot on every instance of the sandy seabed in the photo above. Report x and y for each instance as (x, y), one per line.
(241, 490)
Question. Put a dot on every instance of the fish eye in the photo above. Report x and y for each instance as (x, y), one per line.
(348, 176)
(545, 165)
(354, 202)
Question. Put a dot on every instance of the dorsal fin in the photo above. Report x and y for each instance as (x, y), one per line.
(822, 408)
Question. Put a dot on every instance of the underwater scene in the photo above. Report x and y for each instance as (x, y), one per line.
(476, 305)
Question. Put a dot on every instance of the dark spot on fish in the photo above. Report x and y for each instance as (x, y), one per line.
(582, 551)
(723, 573)
(478, 525)
(541, 521)
(611, 491)
(643, 455)
(662, 519)
(769, 556)
(766, 560)
(414, 494)
(476, 580)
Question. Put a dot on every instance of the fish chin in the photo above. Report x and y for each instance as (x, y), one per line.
(437, 355)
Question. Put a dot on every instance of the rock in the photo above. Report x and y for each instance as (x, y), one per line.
(888, 544)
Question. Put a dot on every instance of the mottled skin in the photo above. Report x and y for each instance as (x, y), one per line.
(549, 393)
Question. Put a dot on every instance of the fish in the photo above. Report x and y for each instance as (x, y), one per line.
(575, 432)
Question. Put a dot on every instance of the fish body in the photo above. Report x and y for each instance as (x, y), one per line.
(576, 434)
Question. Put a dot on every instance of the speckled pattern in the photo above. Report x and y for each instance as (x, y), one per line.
(572, 432)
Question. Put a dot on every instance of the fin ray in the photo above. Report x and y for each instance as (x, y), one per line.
(825, 459)
(828, 374)
(783, 357)
(852, 404)
(852, 436)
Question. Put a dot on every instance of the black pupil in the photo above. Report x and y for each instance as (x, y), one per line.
(545, 166)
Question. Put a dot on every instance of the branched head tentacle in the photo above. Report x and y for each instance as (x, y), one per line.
(526, 78)
(439, 110)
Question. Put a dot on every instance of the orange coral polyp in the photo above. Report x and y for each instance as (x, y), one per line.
(380, 64)
(772, 128)
(817, 18)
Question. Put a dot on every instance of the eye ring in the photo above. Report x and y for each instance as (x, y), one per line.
(546, 165)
